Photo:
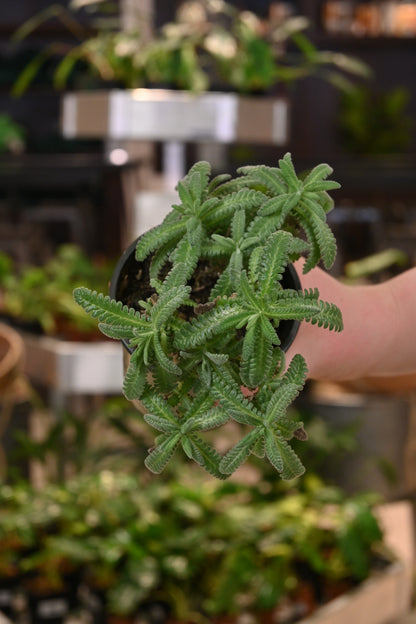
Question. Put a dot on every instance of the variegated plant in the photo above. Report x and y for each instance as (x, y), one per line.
(197, 364)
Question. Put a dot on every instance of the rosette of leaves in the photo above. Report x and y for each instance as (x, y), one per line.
(196, 364)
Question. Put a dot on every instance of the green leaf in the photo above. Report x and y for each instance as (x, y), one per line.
(248, 295)
(170, 232)
(118, 332)
(168, 302)
(108, 311)
(274, 262)
(282, 457)
(289, 173)
(160, 423)
(269, 177)
(160, 456)
(257, 357)
(163, 359)
(220, 320)
(317, 174)
(211, 419)
(233, 402)
(239, 453)
(159, 409)
(134, 379)
(280, 401)
(207, 457)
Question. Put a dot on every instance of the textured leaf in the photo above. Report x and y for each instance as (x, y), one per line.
(211, 419)
(238, 224)
(218, 358)
(323, 236)
(297, 371)
(257, 357)
(169, 301)
(118, 332)
(134, 380)
(220, 320)
(274, 261)
(107, 310)
(293, 304)
(162, 234)
(317, 174)
(159, 408)
(239, 453)
(269, 177)
(184, 194)
(289, 173)
(163, 359)
(232, 401)
(280, 401)
(283, 457)
(224, 285)
(248, 295)
(158, 458)
(207, 457)
(217, 181)
(160, 423)
(329, 317)
(242, 199)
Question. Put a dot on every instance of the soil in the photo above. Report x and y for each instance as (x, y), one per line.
(132, 285)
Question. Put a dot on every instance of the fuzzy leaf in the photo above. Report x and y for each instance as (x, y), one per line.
(232, 401)
(244, 199)
(221, 320)
(134, 379)
(283, 457)
(329, 317)
(297, 371)
(108, 311)
(257, 357)
(289, 173)
(205, 456)
(160, 456)
(168, 302)
(163, 234)
(163, 359)
(239, 453)
(281, 400)
(317, 174)
(159, 408)
(274, 261)
(161, 424)
(269, 177)
(211, 419)
(118, 332)
(323, 237)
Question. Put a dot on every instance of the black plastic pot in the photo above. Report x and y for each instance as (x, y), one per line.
(128, 270)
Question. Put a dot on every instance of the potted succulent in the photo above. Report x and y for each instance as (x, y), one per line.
(206, 305)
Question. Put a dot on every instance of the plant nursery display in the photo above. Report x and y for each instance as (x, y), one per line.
(112, 544)
(39, 298)
(207, 304)
(209, 44)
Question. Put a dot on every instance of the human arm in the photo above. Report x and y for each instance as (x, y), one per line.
(379, 335)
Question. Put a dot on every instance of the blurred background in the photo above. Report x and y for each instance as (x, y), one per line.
(103, 107)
